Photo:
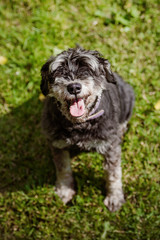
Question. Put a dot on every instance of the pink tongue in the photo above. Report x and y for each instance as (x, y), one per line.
(77, 108)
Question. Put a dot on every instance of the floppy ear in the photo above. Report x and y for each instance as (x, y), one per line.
(107, 68)
(45, 76)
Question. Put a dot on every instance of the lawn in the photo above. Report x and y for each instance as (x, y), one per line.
(127, 33)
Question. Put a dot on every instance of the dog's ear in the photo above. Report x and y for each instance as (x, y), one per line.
(45, 77)
(108, 72)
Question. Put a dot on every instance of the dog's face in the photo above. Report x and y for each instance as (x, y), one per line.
(76, 79)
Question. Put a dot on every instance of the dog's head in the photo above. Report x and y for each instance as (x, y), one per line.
(76, 79)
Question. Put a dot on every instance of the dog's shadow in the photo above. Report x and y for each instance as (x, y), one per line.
(25, 157)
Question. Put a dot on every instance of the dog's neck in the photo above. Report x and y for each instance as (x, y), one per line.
(93, 114)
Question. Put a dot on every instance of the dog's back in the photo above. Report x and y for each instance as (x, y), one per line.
(126, 98)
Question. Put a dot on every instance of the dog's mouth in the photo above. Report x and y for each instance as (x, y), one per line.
(77, 107)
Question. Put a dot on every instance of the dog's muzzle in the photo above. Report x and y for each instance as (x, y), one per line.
(77, 105)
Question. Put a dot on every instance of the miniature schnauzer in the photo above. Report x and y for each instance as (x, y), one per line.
(87, 108)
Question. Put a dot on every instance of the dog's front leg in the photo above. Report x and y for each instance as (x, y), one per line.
(113, 173)
(64, 182)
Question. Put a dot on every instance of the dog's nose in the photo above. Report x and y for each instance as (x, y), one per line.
(74, 88)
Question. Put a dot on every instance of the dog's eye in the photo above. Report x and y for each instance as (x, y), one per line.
(83, 74)
(86, 73)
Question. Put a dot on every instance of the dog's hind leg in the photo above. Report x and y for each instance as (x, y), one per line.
(113, 173)
(64, 183)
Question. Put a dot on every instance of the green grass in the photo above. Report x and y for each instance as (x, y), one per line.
(127, 33)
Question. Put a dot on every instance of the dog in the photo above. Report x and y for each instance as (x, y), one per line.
(87, 108)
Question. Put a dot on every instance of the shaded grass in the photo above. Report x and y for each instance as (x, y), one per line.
(127, 33)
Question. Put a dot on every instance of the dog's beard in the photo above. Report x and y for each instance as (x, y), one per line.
(76, 108)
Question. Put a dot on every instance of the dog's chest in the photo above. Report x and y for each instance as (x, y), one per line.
(99, 146)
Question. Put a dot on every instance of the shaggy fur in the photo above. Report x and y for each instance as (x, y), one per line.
(87, 108)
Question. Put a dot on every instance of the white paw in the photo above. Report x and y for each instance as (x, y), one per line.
(114, 202)
(65, 193)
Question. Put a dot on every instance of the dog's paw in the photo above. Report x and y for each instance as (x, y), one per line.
(65, 193)
(114, 202)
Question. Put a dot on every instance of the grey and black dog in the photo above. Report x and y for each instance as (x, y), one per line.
(87, 108)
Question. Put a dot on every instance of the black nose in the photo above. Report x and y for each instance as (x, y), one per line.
(74, 88)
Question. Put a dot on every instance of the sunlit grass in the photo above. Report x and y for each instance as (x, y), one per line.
(126, 33)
